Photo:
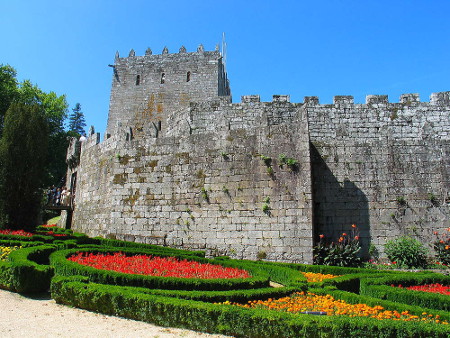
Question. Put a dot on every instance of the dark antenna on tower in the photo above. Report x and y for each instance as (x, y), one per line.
(224, 52)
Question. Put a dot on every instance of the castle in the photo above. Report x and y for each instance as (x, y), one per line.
(181, 165)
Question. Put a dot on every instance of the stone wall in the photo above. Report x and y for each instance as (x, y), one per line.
(382, 166)
(207, 185)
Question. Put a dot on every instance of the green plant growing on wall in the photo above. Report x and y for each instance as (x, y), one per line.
(225, 155)
(281, 159)
(267, 160)
(225, 190)
(266, 207)
(270, 171)
(432, 198)
(401, 200)
(292, 163)
(261, 255)
(394, 114)
(205, 195)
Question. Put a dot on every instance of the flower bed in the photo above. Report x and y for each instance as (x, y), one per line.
(433, 288)
(6, 250)
(156, 266)
(301, 302)
(312, 277)
(16, 233)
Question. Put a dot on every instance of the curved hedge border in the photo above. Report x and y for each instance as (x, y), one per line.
(191, 307)
(26, 270)
(65, 267)
(239, 322)
(381, 288)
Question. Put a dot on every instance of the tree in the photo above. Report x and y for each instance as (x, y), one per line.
(8, 90)
(23, 155)
(77, 121)
(54, 108)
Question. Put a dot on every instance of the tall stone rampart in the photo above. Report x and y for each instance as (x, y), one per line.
(383, 166)
(214, 183)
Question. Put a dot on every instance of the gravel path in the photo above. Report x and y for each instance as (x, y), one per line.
(40, 316)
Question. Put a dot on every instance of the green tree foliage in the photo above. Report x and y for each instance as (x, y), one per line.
(23, 155)
(77, 121)
(8, 90)
(54, 108)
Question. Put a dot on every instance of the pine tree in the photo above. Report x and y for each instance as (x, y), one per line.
(77, 121)
(23, 155)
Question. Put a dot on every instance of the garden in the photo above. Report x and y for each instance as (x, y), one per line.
(241, 298)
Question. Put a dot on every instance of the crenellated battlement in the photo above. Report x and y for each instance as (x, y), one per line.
(439, 98)
(166, 54)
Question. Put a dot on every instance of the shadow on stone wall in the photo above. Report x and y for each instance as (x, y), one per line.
(337, 205)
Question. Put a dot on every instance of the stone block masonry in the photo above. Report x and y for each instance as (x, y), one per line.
(180, 165)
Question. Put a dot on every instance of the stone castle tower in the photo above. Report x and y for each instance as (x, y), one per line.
(183, 166)
(146, 88)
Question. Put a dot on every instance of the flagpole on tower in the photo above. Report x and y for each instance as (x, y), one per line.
(224, 51)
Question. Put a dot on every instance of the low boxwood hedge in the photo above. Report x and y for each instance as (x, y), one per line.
(381, 288)
(281, 274)
(115, 243)
(227, 319)
(26, 270)
(65, 267)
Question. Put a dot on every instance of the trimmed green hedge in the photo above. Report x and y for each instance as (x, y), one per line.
(381, 288)
(65, 267)
(23, 244)
(282, 274)
(115, 243)
(26, 270)
(226, 319)
(239, 296)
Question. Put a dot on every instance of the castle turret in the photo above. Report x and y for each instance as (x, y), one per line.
(145, 89)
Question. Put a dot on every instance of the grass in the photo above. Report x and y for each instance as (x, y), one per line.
(54, 220)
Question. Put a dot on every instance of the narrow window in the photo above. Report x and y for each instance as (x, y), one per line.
(188, 76)
(138, 80)
(163, 78)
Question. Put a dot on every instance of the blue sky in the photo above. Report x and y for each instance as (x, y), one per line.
(300, 48)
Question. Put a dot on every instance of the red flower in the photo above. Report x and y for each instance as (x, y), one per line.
(156, 266)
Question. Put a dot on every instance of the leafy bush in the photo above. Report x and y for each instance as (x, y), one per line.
(442, 247)
(344, 252)
(407, 252)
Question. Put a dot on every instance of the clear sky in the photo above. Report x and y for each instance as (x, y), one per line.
(300, 48)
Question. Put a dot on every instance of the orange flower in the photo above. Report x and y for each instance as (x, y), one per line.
(321, 236)
(341, 239)
(344, 234)
(356, 238)
(353, 226)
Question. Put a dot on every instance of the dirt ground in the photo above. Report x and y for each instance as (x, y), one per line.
(40, 316)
